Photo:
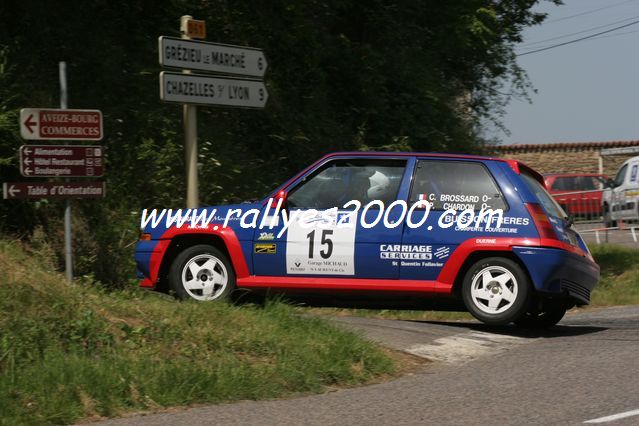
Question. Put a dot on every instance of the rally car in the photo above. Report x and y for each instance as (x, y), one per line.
(479, 230)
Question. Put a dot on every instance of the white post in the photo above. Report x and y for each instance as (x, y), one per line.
(190, 139)
(600, 163)
(68, 251)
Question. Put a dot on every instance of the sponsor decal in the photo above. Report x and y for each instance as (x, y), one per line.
(442, 252)
(405, 252)
(486, 241)
(266, 236)
(422, 264)
(321, 243)
(263, 248)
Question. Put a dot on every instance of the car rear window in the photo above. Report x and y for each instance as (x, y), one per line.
(546, 200)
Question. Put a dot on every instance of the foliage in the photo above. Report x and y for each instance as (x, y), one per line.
(343, 75)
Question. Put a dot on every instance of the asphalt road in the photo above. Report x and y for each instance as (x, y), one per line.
(585, 369)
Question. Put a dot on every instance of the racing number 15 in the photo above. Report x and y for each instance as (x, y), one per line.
(325, 241)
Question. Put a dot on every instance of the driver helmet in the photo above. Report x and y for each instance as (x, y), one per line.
(379, 185)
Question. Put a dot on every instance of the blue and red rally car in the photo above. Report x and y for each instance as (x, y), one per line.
(483, 231)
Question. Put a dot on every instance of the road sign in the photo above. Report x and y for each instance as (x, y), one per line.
(61, 160)
(193, 28)
(212, 57)
(201, 89)
(61, 124)
(49, 190)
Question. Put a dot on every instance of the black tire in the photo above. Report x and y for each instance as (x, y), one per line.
(211, 265)
(550, 316)
(506, 311)
(608, 222)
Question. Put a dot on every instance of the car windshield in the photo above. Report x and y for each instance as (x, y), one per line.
(546, 200)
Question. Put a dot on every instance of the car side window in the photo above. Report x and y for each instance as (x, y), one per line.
(563, 184)
(600, 182)
(340, 181)
(621, 175)
(457, 185)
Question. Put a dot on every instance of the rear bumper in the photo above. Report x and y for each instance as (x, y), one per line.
(559, 272)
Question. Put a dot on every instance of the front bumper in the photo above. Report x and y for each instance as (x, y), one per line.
(148, 255)
(559, 272)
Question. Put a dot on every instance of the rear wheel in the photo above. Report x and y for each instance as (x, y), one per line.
(550, 316)
(202, 272)
(496, 291)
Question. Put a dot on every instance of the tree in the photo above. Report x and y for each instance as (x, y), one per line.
(343, 75)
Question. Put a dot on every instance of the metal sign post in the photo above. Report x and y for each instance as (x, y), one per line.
(190, 135)
(68, 251)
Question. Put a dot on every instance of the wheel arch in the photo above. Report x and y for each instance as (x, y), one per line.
(477, 255)
(183, 241)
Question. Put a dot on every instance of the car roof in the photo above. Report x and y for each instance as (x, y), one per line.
(549, 175)
(515, 165)
(408, 154)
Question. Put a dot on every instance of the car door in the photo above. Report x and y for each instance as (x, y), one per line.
(325, 230)
(618, 198)
(456, 185)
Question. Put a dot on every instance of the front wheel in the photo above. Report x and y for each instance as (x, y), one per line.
(202, 272)
(496, 291)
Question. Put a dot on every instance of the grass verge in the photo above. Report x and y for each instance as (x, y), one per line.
(70, 352)
(619, 284)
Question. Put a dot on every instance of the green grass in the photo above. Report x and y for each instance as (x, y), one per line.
(619, 283)
(398, 314)
(69, 352)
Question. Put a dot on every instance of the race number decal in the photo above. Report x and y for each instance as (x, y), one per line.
(321, 244)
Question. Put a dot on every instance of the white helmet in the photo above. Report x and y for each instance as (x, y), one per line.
(379, 185)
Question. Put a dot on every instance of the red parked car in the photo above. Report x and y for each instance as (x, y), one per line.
(579, 194)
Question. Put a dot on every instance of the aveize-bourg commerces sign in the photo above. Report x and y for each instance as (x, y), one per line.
(61, 124)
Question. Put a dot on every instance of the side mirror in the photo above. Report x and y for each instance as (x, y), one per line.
(275, 199)
(282, 195)
(569, 220)
(610, 183)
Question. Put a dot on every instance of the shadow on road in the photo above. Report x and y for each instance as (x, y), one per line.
(512, 330)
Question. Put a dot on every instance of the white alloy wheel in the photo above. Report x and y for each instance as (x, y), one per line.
(494, 289)
(204, 277)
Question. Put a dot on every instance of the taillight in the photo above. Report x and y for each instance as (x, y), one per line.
(145, 237)
(541, 221)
